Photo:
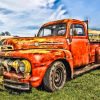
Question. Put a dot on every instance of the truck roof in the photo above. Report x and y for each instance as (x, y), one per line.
(60, 21)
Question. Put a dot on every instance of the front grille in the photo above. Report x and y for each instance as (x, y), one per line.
(12, 73)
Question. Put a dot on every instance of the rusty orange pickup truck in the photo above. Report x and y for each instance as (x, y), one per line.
(60, 51)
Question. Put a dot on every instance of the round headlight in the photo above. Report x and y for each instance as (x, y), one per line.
(25, 66)
(22, 67)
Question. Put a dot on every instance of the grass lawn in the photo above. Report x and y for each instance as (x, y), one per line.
(85, 87)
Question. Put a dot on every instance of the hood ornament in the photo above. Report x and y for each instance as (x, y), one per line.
(36, 43)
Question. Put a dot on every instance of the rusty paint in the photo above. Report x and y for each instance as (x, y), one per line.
(42, 51)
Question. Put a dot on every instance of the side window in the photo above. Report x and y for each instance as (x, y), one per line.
(53, 30)
(47, 32)
(77, 30)
(61, 29)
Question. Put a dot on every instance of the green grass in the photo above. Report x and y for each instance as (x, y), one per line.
(85, 87)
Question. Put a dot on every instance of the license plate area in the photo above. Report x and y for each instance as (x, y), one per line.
(14, 79)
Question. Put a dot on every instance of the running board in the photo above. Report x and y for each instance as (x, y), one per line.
(85, 69)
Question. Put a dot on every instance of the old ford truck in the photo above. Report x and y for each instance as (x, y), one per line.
(60, 51)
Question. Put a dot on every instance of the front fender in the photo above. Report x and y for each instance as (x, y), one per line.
(53, 55)
(40, 59)
(41, 68)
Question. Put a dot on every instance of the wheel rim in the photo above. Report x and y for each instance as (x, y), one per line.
(58, 75)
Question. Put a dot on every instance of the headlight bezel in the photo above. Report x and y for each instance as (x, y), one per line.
(26, 65)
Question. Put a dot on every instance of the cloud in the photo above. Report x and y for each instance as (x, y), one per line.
(82, 9)
(24, 5)
(5, 11)
(26, 16)
(60, 13)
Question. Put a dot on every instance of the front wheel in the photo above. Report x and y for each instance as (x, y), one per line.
(55, 76)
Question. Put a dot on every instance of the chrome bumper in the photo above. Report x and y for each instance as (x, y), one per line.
(16, 85)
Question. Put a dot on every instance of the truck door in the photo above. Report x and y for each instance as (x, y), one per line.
(79, 45)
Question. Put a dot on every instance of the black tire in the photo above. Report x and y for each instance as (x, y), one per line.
(55, 77)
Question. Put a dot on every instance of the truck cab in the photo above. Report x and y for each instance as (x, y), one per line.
(76, 35)
(58, 52)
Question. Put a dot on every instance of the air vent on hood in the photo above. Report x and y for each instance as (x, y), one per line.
(6, 47)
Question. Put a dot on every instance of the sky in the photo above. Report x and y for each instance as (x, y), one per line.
(25, 17)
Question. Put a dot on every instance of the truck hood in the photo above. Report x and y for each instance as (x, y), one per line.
(35, 42)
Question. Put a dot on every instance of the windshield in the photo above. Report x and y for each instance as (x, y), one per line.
(53, 30)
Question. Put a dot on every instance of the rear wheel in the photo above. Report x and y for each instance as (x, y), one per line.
(55, 76)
